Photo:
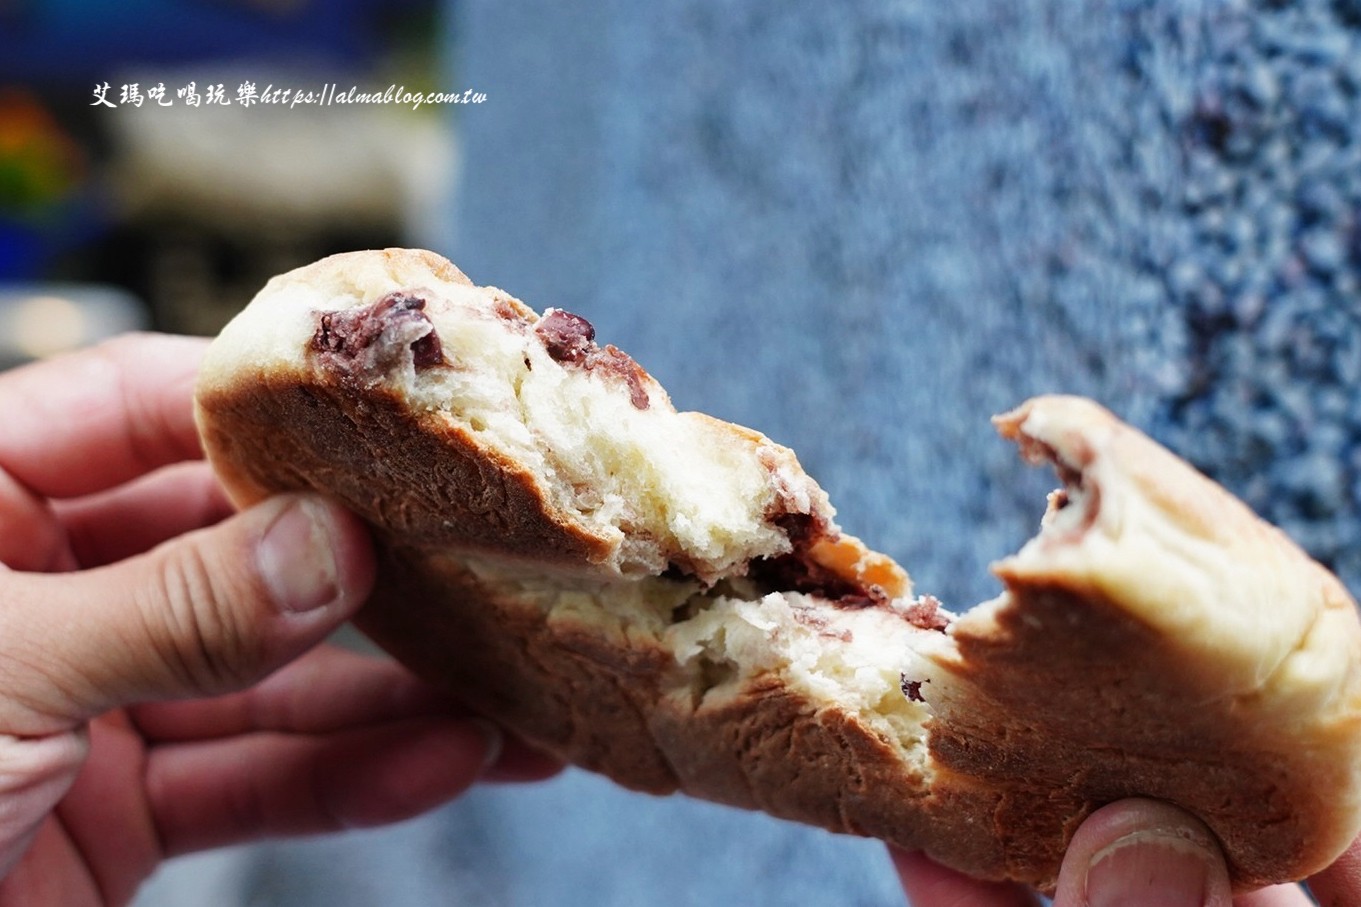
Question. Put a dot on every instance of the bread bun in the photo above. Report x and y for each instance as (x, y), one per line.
(667, 599)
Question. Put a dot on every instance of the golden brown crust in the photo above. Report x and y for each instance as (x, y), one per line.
(573, 688)
(420, 479)
(1116, 715)
(601, 698)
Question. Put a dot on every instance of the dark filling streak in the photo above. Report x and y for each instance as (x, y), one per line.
(506, 312)
(802, 529)
(912, 689)
(349, 335)
(1071, 478)
(794, 572)
(1038, 453)
(615, 361)
(427, 351)
(820, 624)
(798, 572)
(570, 340)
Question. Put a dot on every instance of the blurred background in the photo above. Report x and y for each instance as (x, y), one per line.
(861, 228)
(144, 179)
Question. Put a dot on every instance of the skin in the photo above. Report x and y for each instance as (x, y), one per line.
(165, 686)
(1151, 842)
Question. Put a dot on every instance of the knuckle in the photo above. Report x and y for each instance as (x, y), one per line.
(195, 629)
(146, 427)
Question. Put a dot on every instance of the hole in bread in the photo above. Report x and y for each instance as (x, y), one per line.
(712, 673)
(797, 572)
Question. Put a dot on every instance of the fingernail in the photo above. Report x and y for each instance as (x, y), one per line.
(297, 560)
(1150, 868)
(496, 740)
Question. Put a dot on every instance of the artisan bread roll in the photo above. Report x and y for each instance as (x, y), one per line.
(667, 599)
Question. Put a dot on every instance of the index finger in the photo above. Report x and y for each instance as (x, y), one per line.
(93, 419)
(928, 884)
(1340, 883)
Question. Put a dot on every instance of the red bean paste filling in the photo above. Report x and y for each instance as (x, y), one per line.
(798, 572)
(348, 337)
(570, 340)
(912, 689)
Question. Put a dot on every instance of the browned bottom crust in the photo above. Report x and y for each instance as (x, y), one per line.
(1008, 789)
(598, 701)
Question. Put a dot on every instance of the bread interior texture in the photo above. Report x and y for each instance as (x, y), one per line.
(727, 637)
(725, 552)
(665, 485)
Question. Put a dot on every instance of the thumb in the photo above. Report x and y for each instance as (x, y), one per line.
(209, 612)
(1143, 852)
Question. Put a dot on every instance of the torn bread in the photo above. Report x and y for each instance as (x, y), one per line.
(667, 599)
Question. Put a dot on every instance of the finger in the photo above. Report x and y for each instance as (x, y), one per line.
(227, 791)
(108, 795)
(211, 612)
(112, 525)
(519, 762)
(1275, 896)
(1142, 852)
(96, 418)
(37, 773)
(326, 690)
(928, 884)
(1340, 884)
(31, 538)
(34, 882)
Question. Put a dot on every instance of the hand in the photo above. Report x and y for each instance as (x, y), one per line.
(1129, 854)
(137, 619)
